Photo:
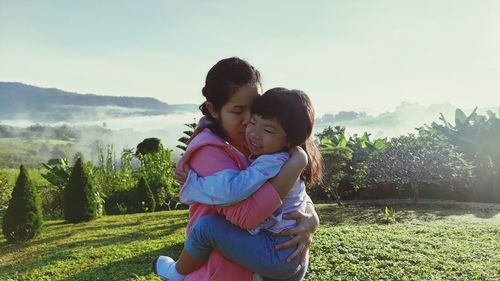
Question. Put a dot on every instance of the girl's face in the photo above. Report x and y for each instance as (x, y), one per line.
(265, 136)
(235, 114)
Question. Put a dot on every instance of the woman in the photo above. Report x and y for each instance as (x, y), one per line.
(231, 86)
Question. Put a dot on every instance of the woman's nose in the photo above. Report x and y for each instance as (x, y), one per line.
(246, 119)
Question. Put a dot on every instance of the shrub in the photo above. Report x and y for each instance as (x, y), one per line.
(144, 196)
(23, 219)
(80, 197)
(412, 161)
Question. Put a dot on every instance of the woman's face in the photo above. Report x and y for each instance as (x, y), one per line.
(235, 114)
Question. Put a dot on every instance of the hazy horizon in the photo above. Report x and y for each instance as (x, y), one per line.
(347, 55)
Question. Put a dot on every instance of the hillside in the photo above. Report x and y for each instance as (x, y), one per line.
(21, 101)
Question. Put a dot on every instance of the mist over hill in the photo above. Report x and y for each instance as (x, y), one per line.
(50, 122)
(26, 102)
(403, 120)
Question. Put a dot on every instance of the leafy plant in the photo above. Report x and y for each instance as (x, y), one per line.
(389, 215)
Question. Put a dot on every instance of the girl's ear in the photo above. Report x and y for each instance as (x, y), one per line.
(212, 111)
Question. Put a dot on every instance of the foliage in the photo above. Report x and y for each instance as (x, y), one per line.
(114, 181)
(187, 134)
(336, 161)
(58, 173)
(80, 197)
(412, 161)
(144, 197)
(158, 169)
(476, 136)
(149, 145)
(342, 158)
(23, 219)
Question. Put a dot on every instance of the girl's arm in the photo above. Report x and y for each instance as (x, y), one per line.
(281, 184)
(290, 172)
(247, 213)
(230, 186)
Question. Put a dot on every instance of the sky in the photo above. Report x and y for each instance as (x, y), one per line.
(345, 54)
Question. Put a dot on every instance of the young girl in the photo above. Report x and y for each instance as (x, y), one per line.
(281, 120)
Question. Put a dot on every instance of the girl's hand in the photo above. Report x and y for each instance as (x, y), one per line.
(181, 175)
(307, 223)
(298, 154)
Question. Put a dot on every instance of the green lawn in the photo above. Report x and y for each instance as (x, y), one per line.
(438, 241)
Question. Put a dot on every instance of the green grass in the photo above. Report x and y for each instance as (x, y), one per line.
(32, 152)
(438, 241)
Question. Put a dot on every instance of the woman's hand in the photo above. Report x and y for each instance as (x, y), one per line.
(181, 175)
(307, 223)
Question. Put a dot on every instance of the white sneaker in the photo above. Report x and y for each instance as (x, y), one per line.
(164, 267)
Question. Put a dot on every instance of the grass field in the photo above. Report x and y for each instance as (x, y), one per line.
(430, 241)
(32, 152)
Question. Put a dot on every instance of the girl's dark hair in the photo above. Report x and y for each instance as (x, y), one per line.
(225, 78)
(294, 111)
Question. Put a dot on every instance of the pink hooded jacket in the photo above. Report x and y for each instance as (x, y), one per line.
(207, 154)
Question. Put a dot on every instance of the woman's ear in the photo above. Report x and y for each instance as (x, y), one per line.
(212, 111)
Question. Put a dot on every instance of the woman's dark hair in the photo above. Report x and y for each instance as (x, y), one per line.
(225, 78)
(294, 111)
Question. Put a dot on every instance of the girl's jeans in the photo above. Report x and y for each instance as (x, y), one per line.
(254, 252)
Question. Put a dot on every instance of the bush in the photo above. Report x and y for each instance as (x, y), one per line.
(476, 136)
(144, 196)
(158, 170)
(414, 161)
(335, 162)
(23, 219)
(80, 197)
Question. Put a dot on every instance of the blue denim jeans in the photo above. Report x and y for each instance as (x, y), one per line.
(254, 252)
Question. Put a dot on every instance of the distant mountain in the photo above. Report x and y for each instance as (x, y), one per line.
(21, 101)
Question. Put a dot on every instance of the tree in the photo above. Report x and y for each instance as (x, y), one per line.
(149, 145)
(412, 161)
(23, 219)
(145, 198)
(187, 135)
(80, 196)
